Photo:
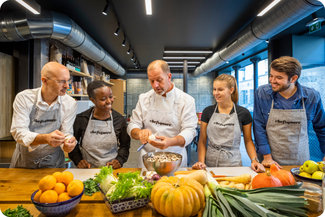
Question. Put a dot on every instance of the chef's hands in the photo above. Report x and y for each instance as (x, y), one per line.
(69, 144)
(199, 166)
(83, 164)
(164, 142)
(115, 164)
(268, 161)
(257, 167)
(55, 139)
(144, 135)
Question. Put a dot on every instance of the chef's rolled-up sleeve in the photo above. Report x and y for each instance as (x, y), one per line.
(20, 122)
(188, 119)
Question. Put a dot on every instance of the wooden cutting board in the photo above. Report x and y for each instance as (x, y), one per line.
(83, 174)
(231, 171)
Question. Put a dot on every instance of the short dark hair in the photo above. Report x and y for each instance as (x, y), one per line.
(289, 65)
(92, 86)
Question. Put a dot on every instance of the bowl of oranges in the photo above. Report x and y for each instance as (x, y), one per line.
(58, 194)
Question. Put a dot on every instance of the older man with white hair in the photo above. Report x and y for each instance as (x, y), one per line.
(165, 111)
(42, 123)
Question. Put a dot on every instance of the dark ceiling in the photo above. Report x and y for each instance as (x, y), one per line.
(179, 24)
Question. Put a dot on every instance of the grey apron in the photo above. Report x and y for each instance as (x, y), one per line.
(99, 145)
(164, 123)
(287, 135)
(44, 156)
(224, 135)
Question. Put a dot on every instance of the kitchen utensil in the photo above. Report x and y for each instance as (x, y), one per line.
(139, 149)
(162, 168)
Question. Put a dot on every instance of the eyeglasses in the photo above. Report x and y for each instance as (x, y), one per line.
(62, 82)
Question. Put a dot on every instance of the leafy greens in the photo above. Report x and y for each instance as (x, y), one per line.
(18, 211)
(90, 187)
(106, 178)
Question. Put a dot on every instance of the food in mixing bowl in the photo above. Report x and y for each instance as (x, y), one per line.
(164, 158)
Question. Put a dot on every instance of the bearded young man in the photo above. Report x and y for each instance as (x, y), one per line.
(166, 111)
(283, 109)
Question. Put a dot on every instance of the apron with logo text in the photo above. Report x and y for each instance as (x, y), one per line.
(224, 135)
(287, 135)
(44, 156)
(99, 145)
(164, 123)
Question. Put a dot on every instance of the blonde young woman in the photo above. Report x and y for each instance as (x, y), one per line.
(223, 124)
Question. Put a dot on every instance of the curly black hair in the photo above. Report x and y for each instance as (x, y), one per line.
(92, 86)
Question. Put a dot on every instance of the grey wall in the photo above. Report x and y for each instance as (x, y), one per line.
(199, 88)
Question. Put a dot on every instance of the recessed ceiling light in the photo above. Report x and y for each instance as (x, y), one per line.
(148, 7)
(27, 6)
(268, 8)
(184, 58)
(187, 51)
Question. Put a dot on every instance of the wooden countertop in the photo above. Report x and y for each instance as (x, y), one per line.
(17, 186)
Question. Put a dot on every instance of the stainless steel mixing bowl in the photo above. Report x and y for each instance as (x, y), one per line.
(162, 168)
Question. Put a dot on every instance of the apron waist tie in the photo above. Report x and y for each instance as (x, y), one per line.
(219, 150)
(48, 157)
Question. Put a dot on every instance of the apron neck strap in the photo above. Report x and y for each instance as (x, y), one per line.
(235, 111)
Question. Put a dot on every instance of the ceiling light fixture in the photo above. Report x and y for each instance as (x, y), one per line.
(188, 51)
(129, 51)
(148, 7)
(132, 58)
(268, 8)
(27, 6)
(106, 8)
(182, 62)
(179, 66)
(267, 40)
(124, 41)
(184, 58)
(117, 31)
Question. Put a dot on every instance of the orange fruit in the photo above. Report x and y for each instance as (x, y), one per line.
(64, 196)
(75, 188)
(49, 196)
(56, 175)
(47, 183)
(38, 195)
(65, 177)
(59, 188)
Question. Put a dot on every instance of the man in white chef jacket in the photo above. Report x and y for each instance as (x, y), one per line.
(42, 122)
(165, 111)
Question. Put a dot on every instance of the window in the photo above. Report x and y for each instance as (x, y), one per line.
(263, 72)
(314, 78)
(246, 87)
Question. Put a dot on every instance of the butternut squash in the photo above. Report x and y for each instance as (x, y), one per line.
(198, 175)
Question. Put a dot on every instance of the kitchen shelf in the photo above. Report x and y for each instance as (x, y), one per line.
(76, 73)
(78, 95)
(111, 84)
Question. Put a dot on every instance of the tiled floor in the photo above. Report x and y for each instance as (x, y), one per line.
(134, 155)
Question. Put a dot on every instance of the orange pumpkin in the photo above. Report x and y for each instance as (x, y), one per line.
(172, 196)
(265, 180)
(285, 177)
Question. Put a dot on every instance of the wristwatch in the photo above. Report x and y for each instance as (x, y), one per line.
(255, 159)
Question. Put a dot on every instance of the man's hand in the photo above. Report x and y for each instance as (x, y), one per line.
(55, 139)
(163, 144)
(83, 164)
(115, 164)
(144, 135)
(268, 161)
(199, 166)
(69, 144)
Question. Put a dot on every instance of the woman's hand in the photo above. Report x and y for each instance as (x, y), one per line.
(199, 166)
(257, 167)
(83, 164)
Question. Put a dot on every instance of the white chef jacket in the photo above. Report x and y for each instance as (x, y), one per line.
(186, 111)
(22, 106)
